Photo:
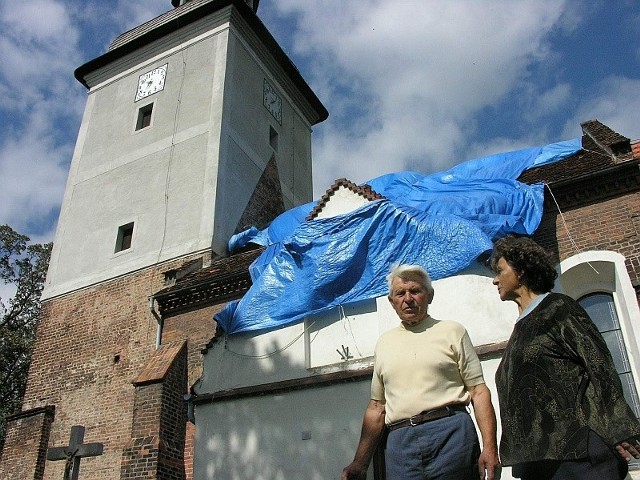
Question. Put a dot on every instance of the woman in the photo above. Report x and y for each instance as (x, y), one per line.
(561, 402)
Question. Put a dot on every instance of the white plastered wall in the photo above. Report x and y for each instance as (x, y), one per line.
(185, 180)
(161, 177)
(312, 433)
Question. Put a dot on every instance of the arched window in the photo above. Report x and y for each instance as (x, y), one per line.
(600, 282)
(601, 308)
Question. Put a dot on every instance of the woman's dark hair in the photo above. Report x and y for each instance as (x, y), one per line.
(528, 259)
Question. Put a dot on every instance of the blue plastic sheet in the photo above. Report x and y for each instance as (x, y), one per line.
(442, 221)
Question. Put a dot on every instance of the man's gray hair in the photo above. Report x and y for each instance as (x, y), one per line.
(409, 272)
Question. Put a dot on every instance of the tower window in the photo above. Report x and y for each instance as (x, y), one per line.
(144, 117)
(125, 235)
(273, 138)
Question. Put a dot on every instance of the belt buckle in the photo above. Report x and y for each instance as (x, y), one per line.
(412, 421)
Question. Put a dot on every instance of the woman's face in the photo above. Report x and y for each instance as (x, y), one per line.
(507, 280)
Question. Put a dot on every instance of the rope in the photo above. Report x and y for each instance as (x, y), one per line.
(566, 228)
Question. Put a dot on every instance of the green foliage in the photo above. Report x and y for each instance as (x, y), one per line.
(23, 266)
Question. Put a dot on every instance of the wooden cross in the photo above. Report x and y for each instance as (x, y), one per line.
(74, 452)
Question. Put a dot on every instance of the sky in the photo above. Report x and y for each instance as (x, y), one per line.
(409, 85)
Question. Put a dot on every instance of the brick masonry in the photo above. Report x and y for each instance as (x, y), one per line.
(26, 443)
(90, 347)
(608, 225)
(159, 415)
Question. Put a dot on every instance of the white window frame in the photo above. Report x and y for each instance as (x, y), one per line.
(605, 271)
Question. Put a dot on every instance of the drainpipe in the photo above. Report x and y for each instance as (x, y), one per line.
(189, 397)
(158, 318)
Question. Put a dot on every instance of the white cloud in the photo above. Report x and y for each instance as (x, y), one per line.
(137, 13)
(7, 292)
(36, 20)
(39, 49)
(32, 178)
(37, 43)
(41, 44)
(548, 102)
(615, 102)
(418, 71)
(406, 83)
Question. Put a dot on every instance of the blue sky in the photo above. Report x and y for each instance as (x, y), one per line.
(409, 85)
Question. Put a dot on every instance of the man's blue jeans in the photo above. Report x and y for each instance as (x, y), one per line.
(444, 449)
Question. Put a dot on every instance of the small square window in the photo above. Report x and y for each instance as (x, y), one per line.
(273, 138)
(125, 235)
(144, 117)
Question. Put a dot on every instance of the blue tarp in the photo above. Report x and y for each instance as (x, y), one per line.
(442, 221)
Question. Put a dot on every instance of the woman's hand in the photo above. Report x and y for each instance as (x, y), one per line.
(629, 450)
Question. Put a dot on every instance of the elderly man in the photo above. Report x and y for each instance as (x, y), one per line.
(425, 374)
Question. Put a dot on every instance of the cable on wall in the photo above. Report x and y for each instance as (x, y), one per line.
(270, 354)
(566, 228)
(171, 153)
(347, 323)
(166, 203)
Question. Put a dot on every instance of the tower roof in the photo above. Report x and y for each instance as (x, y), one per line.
(252, 3)
(180, 18)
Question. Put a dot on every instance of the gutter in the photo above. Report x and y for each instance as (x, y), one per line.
(615, 168)
(158, 318)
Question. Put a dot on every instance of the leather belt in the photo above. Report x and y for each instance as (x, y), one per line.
(427, 416)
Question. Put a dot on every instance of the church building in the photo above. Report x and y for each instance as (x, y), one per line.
(197, 125)
(197, 128)
(269, 397)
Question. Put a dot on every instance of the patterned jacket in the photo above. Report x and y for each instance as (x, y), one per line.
(556, 381)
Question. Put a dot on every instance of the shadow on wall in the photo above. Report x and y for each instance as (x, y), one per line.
(308, 433)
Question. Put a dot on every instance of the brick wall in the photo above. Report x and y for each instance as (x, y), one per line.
(24, 452)
(197, 327)
(156, 448)
(607, 225)
(90, 346)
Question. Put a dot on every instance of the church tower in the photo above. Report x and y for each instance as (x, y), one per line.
(197, 125)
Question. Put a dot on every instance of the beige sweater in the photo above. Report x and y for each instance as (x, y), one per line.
(422, 367)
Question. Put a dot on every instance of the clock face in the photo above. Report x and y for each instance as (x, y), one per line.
(272, 101)
(151, 82)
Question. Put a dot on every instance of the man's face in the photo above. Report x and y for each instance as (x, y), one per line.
(409, 299)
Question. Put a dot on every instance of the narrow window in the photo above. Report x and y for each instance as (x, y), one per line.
(144, 117)
(273, 138)
(602, 311)
(125, 235)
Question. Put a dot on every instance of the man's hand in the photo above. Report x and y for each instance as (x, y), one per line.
(629, 450)
(372, 430)
(354, 472)
(489, 466)
(489, 462)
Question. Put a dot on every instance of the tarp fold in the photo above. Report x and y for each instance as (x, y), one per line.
(442, 221)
